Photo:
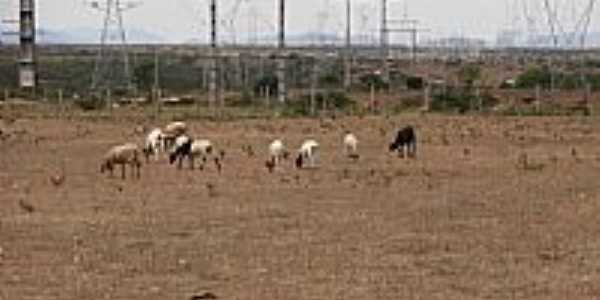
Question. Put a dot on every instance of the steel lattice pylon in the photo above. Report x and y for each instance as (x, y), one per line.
(562, 35)
(111, 69)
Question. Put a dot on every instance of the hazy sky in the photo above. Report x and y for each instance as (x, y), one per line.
(184, 20)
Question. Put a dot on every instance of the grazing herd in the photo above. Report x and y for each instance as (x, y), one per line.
(175, 141)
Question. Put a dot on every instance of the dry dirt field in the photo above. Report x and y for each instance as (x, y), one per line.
(492, 208)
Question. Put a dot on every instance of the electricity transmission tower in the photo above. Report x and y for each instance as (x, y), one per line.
(348, 54)
(111, 69)
(230, 21)
(562, 35)
(384, 41)
(568, 33)
(281, 84)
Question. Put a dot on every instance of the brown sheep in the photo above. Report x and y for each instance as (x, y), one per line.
(127, 154)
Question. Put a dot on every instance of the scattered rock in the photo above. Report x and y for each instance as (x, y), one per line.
(203, 295)
(548, 255)
(248, 150)
(354, 156)
(139, 130)
(26, 206)
(445, 140)
(212, 190)
(467, 152)
(57, 180)
(345, 174)
(183, 263)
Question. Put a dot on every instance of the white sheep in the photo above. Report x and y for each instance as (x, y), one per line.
(153, 144)
(277, 152)
(126, 154)
(172, 131)
(350, 145)
(203, 149)
(308, 151)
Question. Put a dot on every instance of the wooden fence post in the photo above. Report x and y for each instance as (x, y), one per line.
(372, 99)
(268, 96)
(109, 100)
(60, 104)
(427, 98)
(538, 99)
(588, 100)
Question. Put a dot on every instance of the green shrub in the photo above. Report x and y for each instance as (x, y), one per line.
(534, 76)
(374, 80)
(268, 80)
(469, 74)
(93, 102)
(460, 100)
(335, 100)
(245, 99)
(330, 79)
(415, 83)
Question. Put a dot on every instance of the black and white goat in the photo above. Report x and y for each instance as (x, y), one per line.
(187, 147)
(405, 142)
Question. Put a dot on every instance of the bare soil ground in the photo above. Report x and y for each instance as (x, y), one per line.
(492, 208)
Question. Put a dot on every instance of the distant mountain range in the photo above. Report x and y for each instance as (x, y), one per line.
(91, 36)
(86, 35)
(83, 35)
(516, 38)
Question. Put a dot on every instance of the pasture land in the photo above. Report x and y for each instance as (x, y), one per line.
(492, 208)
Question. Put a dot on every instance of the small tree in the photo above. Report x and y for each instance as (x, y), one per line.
(469, 74)
(534, 76)
(374, 80)
(266, 81)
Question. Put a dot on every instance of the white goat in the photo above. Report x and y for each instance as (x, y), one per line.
(308, 151)
(153, 144)
(126, 154)
(350, 145)
(277, 152)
